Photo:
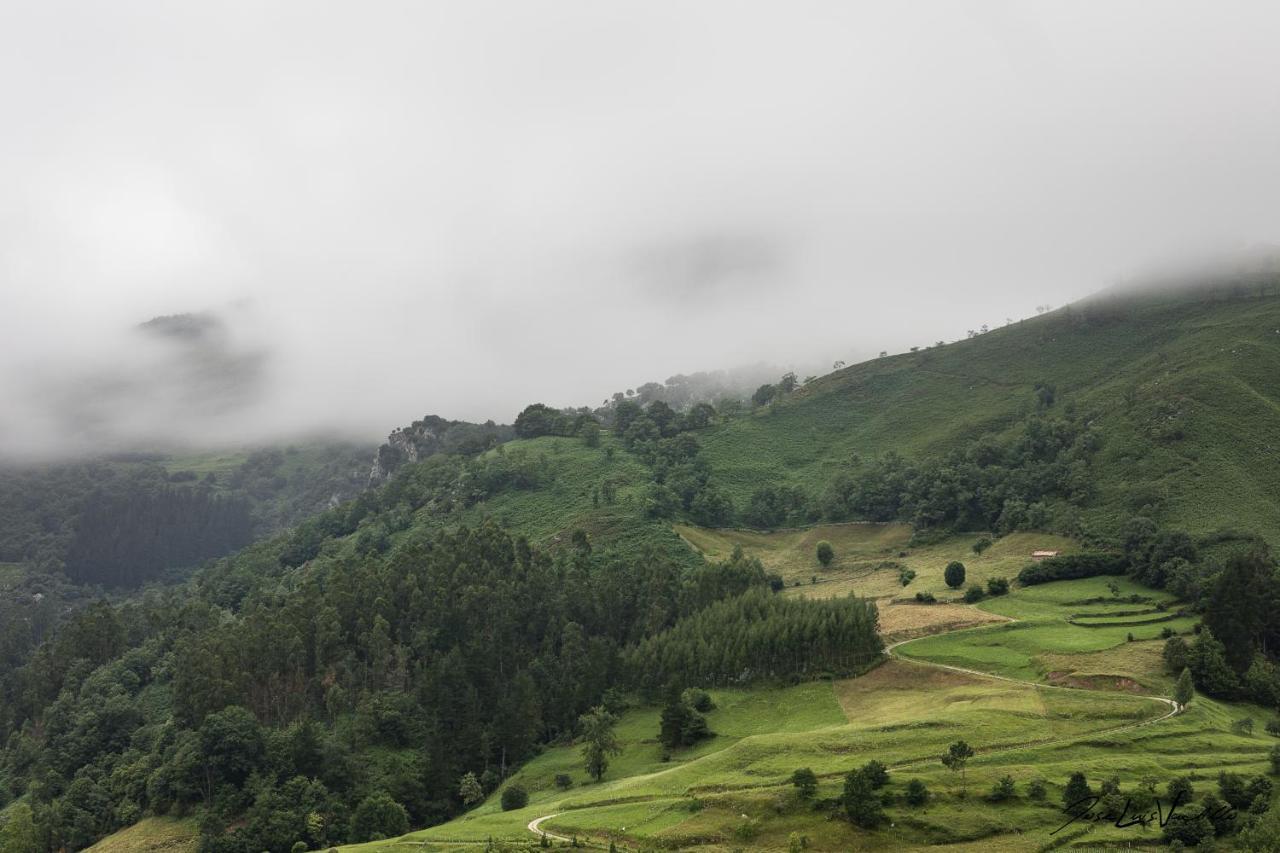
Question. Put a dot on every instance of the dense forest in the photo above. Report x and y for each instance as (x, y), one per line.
(331, 684)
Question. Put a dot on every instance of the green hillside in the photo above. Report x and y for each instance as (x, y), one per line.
(423, 664)
(1185, 394)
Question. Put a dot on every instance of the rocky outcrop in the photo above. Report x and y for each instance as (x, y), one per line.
(432, 435)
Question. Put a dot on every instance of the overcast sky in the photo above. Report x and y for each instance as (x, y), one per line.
(459, 208)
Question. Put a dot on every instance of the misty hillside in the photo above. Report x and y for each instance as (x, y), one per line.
(1164, 408)
(474, 609)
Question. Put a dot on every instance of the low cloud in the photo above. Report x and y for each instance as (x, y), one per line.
(412, 208)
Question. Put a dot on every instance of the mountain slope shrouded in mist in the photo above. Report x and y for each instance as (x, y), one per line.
(478, 603)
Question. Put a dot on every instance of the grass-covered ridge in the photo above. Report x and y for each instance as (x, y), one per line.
(1185, 394)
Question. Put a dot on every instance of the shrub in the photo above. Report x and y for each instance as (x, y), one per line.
(1004, 789)
(1189, 827)
(805, 782)
(1036, 790)
(379, 816)
(860, 801)
(514, 797)
(877, 774)
(953, 574)
(906, 576)
(563, 782)
(699, 700)
(982, 544)
(998, 586)
(825, 553)
(1180, 791)
(974, 594)
(917, 793)
(1077, 790)
(925, 598)
(1273, 728)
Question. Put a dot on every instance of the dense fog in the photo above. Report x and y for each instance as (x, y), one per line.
(374, 212)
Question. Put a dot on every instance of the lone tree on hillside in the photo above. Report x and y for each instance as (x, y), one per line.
(954, 574)
(825, 553)
(598, 740)
(1185, 691)
(955, 759)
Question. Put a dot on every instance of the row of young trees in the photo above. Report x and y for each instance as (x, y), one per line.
(758, 636)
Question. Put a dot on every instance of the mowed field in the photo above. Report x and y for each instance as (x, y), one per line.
(1088, 707)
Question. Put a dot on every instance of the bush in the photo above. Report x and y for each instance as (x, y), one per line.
(379, 816)
(1003, 790)
(954, 574)
(514, 797)
(906, 576)
(982, 544)
(974, 594)
(917, 793)
(805, 782)
(698, 700)
(1273, 728)
(563, 782)
(1077, 790)
(925, 598)
(1188, 827)
(1180, 791)
(998, 586)
(1036, 790)
(825, 553)
(877, 774)
(1073, 567)
(860, 801)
